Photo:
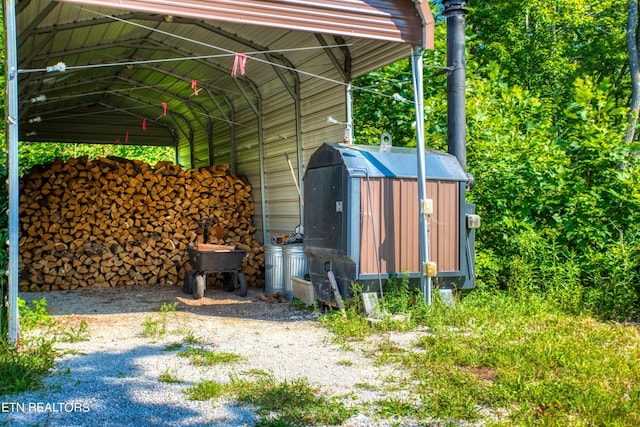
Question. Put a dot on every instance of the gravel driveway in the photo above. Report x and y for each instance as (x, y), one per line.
(113, 378)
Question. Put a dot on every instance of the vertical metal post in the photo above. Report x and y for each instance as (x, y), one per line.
(423, 231)
(455, 11)
(298, 106)
(350, 113)
(263, 175)
(12, 152)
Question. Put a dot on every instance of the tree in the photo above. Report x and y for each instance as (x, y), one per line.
(34, 154)
(632, 37)
(545, 45)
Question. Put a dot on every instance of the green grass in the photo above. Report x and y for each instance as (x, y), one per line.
(191, 338)
(205, 390)
(35, 315)
(169, 376)
(76, 333)
(153, 328)
(294, 403)
(290, 403)
(547, 367)
(157, 326)
(167, 307)
(173, 346)
(24, 367)
(519, 356)
(201, 357)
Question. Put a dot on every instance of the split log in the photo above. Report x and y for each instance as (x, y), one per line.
(116, 222)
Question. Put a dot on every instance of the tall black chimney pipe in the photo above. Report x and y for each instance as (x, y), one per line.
(455, 11)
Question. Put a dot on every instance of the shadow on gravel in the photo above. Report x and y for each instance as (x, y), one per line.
(116, 389)
(142, 299)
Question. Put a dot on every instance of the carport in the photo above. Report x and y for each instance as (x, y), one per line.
(221, 81)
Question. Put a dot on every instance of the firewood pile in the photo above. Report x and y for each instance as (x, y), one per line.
(111, 222)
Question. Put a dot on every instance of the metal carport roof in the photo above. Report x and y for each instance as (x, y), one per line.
(158, 72)
(124, 59)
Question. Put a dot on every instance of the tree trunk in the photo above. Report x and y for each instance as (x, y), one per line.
(634, 69)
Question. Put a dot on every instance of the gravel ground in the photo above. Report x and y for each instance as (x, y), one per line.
(113, 378)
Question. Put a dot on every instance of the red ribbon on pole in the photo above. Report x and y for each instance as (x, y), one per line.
(239, 63)
(194, 86)
(164, 106)
(144, 124)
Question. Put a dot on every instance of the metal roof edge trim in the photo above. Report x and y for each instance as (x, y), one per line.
(330, 17)
(428, 23)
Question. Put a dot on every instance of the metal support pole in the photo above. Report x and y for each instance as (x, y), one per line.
(350, 113)
(298, 106)
(12, 152)
(423, 231)
(455, 11)
(263, 175)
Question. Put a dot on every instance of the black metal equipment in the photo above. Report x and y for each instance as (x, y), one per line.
(208, 259)
(360, 218)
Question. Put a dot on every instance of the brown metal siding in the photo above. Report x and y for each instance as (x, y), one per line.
(397, 21)
(395, 215)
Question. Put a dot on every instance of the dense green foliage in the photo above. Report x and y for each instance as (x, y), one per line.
(556, 186)
(40, 153)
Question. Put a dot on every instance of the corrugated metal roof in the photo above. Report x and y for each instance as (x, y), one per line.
(125, 59)
(396, 21)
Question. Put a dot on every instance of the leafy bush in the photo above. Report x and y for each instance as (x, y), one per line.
(23, 369)
(615, 293)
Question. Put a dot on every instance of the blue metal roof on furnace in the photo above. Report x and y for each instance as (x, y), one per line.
(399, 162)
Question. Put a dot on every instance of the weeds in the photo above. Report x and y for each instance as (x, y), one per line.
(77, 334)
(518, 355)
(37, 316)
(23, 367)
(201, 357)
(153, 328)
(169, 376)
(191, 338)
(299, 305)
(205, 390)
(173, 346)
(169, 307)
(295, 402)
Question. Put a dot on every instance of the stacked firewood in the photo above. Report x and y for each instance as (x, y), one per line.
(111, 222)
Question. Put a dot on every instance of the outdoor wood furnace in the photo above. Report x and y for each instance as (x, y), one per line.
(361, 207)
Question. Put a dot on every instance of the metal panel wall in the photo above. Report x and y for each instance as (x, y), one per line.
(321, 99)
(283, 205)
(395, 218)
